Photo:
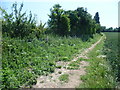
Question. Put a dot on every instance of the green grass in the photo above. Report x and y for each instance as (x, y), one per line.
(64, 78)
(0, 52)
(74, 65)
(112, 51)
(99, 73)
(23, 61)
(65, 59)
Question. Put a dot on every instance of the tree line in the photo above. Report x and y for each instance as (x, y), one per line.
(110, 29)
(73, 22)
(61, 22)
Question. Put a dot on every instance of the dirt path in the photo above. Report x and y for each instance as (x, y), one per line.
(52, 81)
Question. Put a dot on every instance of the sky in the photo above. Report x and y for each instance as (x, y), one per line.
(108, 9)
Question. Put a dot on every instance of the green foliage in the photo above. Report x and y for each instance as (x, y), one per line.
(41, 26)
(111, 29)
(58, 22)
(99, 74)
(18, 24)
(38, 32)
(112, 51)
(23, 61)
(27, 52)
(97, 20)
(96, 17)
(64, 78)
(98, 28)
(74, 65)
(65, 59)
(72, 22)
(59, 67)
(64, 25)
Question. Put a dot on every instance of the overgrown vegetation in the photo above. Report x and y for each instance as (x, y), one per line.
(18, 24)
(29, 52)
(99, 74)
(22, 61)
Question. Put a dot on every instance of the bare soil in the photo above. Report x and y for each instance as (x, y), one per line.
(52, 80)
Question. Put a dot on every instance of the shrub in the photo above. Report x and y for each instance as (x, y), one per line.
(18, 24)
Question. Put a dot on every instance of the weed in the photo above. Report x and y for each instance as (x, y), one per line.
(59, 72)
(64, 78)
(64, 59)
(59, 67)
(74, 65)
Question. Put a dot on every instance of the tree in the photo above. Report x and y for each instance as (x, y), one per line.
(73, 22)
(58, 22)
(79, 21)
(64, 25)
(103, 28)
(119, 29)
(97, 18)
(72, 15)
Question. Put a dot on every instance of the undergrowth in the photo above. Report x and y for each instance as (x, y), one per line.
(23, 61)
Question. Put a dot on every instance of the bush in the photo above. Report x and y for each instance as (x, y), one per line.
(18, 24)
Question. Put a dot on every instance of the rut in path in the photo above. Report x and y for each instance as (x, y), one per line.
(52, 81)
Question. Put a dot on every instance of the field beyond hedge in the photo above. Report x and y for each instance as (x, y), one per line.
(112, 51)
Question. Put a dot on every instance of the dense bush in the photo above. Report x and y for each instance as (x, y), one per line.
(18, 24)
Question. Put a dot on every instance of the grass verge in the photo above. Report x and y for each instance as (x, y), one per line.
(99, 73)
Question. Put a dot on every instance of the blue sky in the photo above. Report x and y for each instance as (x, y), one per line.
(108, 9)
